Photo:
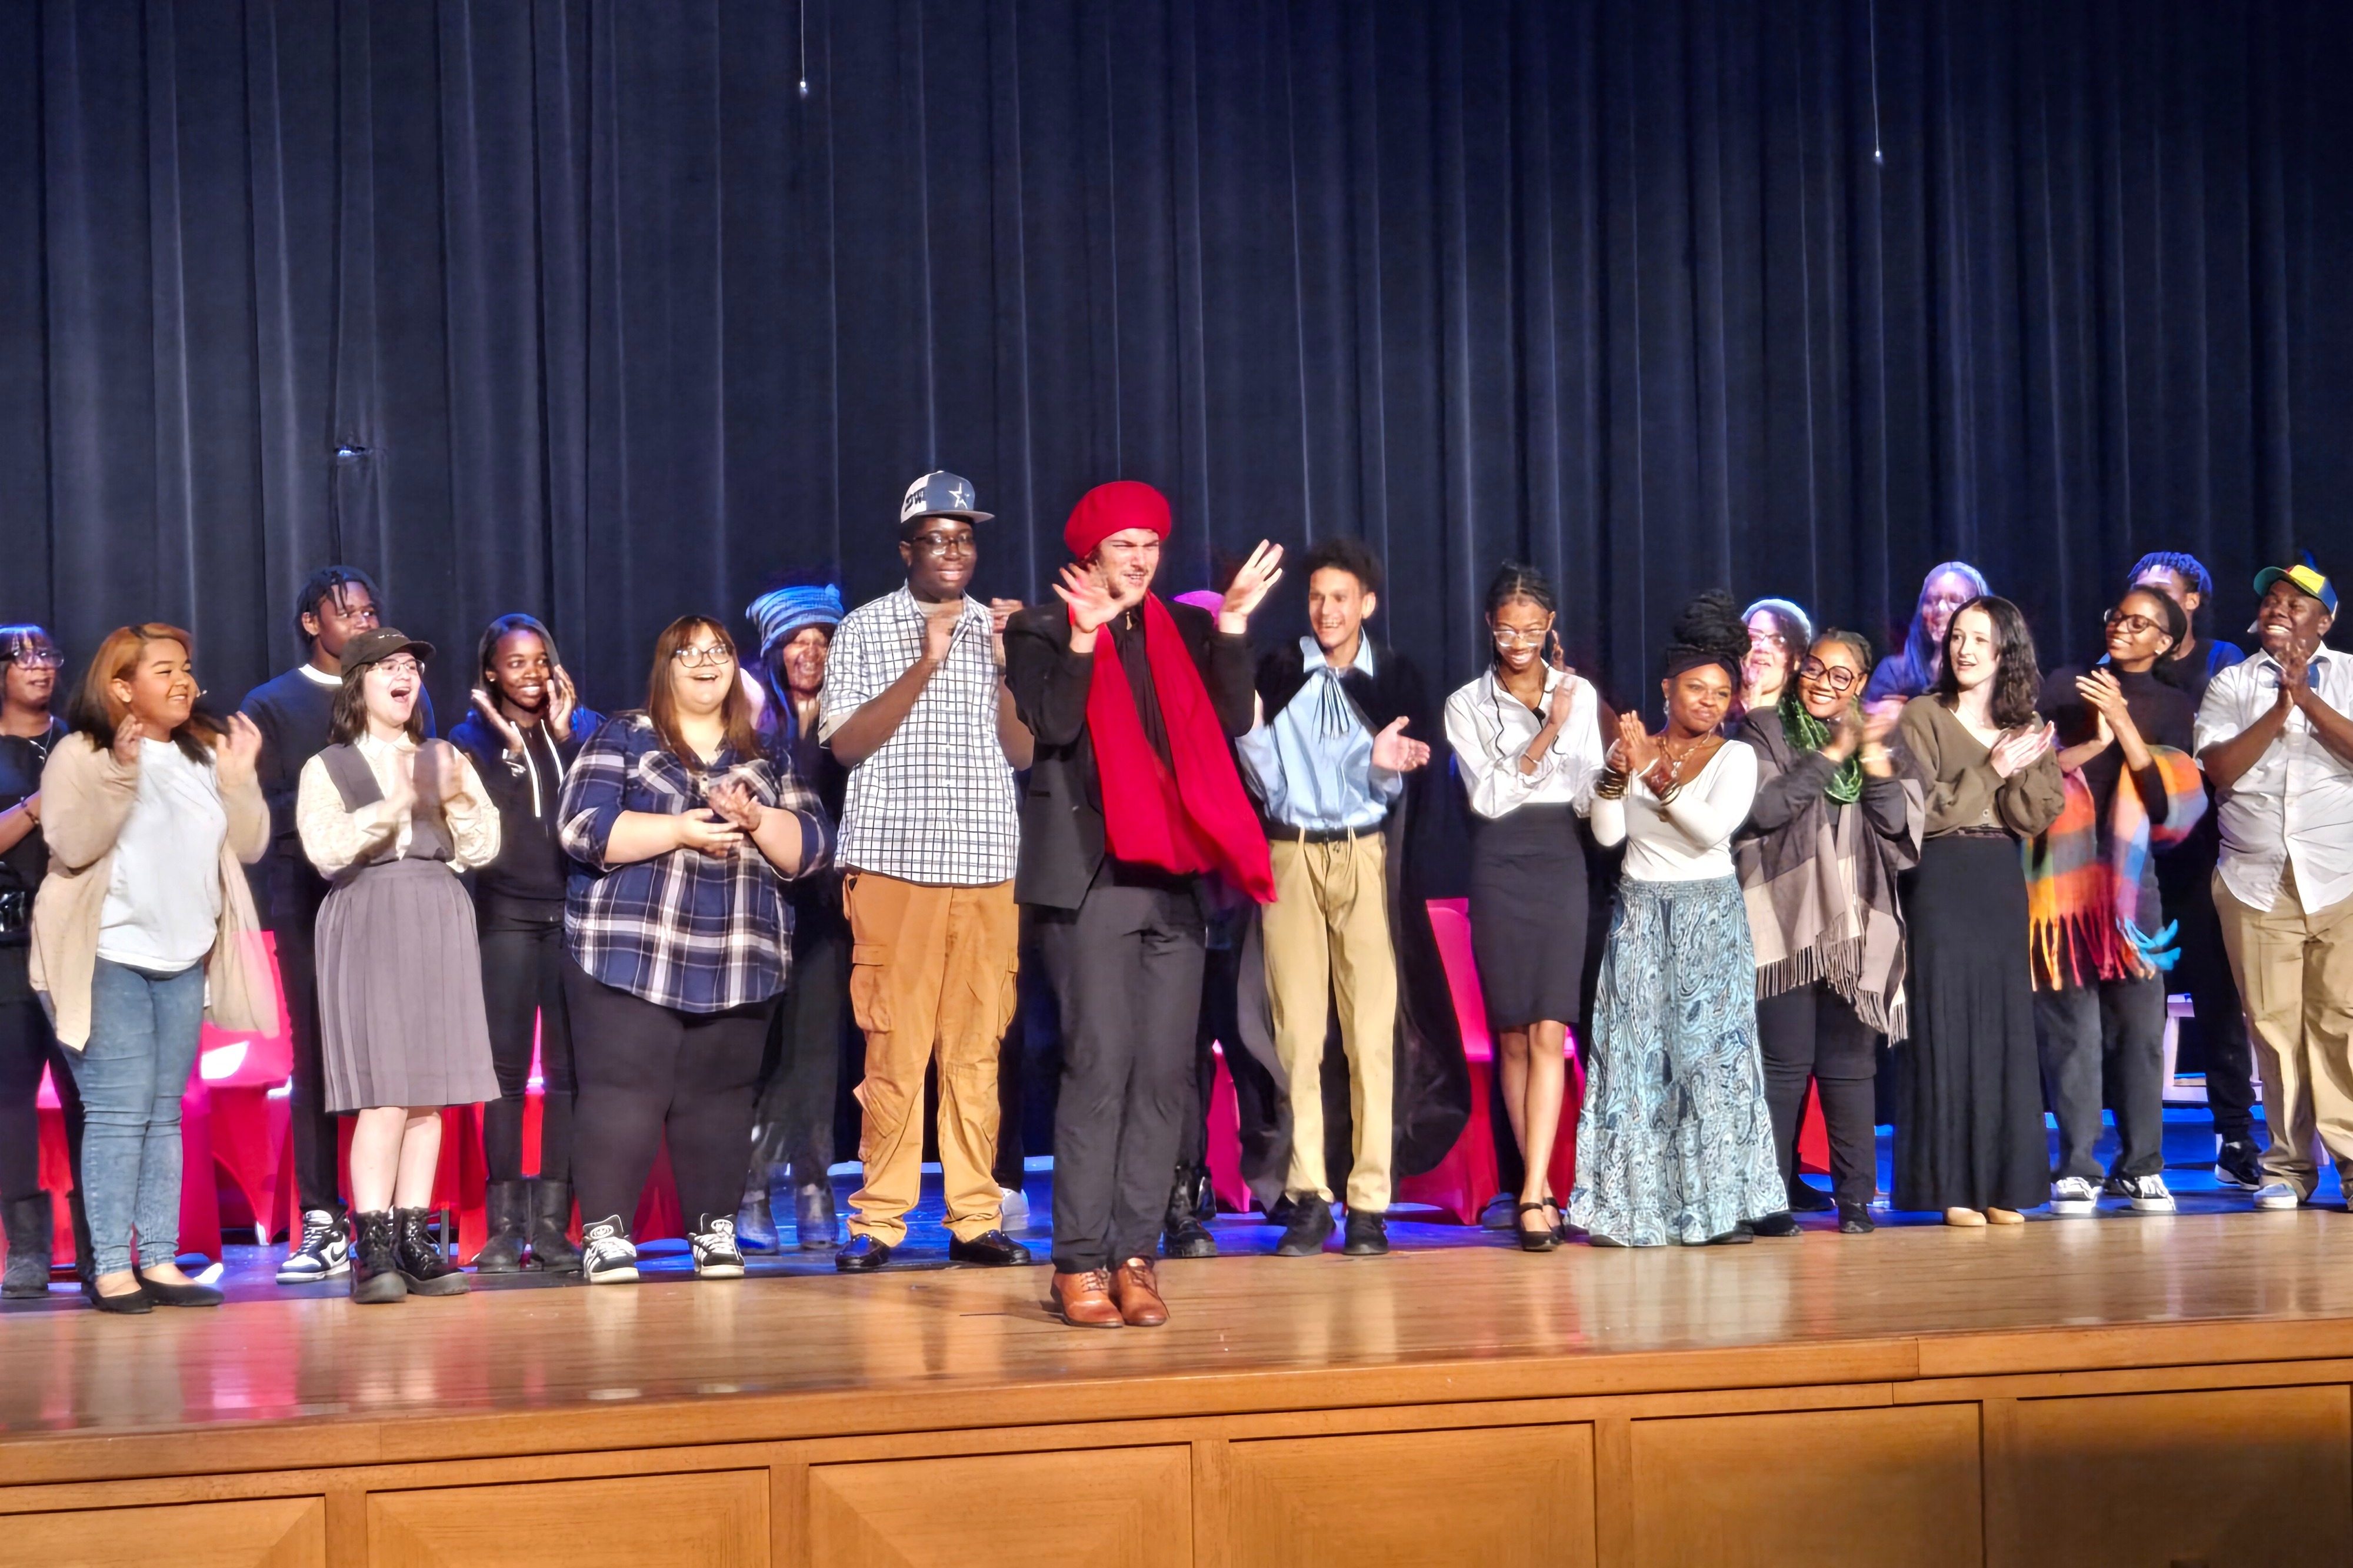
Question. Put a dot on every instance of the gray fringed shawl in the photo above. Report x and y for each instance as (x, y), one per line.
(1819, 877)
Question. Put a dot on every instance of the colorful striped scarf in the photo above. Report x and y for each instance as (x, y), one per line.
(2085, 900)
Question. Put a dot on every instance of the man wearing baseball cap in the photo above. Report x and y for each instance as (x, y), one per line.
(2275, 734)
(915, 705)
(1132, 800)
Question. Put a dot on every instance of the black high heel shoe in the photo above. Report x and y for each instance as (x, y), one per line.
(1542, 1240)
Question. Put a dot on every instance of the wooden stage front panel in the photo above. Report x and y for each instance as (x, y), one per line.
(2126, 1391)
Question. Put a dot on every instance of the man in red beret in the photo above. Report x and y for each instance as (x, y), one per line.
(1133, 797)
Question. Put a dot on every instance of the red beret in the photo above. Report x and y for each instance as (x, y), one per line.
(1113, 509)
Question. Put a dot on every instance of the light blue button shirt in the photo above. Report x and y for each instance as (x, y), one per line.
(1312, 764)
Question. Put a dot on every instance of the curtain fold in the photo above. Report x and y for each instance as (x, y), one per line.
(584, 307)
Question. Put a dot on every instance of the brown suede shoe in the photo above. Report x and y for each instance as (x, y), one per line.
(1137, 1291)
(1084, 1300)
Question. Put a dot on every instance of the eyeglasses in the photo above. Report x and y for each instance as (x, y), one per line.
(1508, 637)
(400, 666)
(38, 659)
(944, 543)
(699, 657)
(2134, 626)
(1837, 677)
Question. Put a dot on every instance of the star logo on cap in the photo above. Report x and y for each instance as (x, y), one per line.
(959, 497)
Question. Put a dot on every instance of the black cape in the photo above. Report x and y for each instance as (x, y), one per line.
(1432, 1079)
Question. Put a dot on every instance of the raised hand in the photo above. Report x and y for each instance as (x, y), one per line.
(1634, 745)
(1398, 752)
(708, 833)
(1249, 589)
(1880, 718)
(1000, 611)
(2099, 690)
(1091, 602)
(239, 752)
(734, 801)
(437, 773)
(2293, 662)
(563, 700)
(939, 631)
(1564, 692)
(127, 736)
(510, 734)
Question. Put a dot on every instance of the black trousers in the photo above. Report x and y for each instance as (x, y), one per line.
(2112, 1031)
(315, 1130)
(800, 1076)
(1126, 970)
(1258, 1102)
(647, 1073)
(27, 1045)
(2204, 971)
(523, 984)
(1811, 1032)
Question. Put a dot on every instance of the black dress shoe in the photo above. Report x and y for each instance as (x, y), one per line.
(993, 1247)
(1186, 1236)
(1739, 1236)
(1854, 1219)
(131, 1303)
(188, 1295)
(864, 1255)
(1782, 1224)
(1807, 1198)
(1310, 1228)
(1368, 1235)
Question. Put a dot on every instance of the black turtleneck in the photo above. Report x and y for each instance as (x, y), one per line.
(2160, 711)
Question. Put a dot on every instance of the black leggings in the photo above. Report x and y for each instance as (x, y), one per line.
(523, 981)
(646, 1071)
(1810, 1032)
(27, 1044)
(800, 1074)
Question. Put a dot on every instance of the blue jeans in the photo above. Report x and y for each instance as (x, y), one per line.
(143, 1030)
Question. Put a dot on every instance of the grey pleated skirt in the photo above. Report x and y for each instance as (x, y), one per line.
(400, 991)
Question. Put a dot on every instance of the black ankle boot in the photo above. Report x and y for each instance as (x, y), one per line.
(423, 1268)
(31, 1234)
(551, 1228)
(504, 1204)
(1182, 1233)
(375, 1259)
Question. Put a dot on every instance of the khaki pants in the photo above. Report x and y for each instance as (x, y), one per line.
(2296, 977)
(1327, 941)
(930, 979)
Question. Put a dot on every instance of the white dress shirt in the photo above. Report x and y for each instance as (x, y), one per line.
(1490, 730)
(2295, 806)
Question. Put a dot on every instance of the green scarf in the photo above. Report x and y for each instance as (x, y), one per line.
(1808, 733)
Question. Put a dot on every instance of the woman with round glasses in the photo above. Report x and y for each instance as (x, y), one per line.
(1834, 821)
(1527, 740)
(2100, 944)
(1779, 633)
(678, 940)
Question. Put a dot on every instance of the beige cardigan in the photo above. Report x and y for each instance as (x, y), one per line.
(85, 798)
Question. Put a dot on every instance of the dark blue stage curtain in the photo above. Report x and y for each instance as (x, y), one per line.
(611, 321)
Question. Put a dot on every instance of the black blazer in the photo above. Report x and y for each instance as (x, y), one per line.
(1061, 808)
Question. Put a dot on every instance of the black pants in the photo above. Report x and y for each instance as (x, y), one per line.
(1265, 1146)
(800, 1075)
(1126, 970)
(647, 1072)
(318, 1157)
(523, 984)
(1811, 1032)
(2204, 972)
(27, 1044)
(2111, 1031)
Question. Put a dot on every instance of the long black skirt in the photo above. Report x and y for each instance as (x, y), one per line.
(1968, 1124)
(1528, 913)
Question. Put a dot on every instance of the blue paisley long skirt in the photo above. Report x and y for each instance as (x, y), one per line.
(1674, 1143)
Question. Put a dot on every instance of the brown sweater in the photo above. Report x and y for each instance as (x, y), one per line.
(1964, 792)
(85, 798)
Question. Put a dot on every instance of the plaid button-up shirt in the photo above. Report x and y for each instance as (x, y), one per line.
(681, 929)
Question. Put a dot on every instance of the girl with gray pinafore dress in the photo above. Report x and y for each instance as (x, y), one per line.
(390, 819)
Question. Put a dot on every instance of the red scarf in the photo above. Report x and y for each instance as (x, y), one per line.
(1197, 819)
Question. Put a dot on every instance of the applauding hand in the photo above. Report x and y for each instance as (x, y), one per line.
(1249, 589)
(239, 752)
(1091, 602)
(1396, 752)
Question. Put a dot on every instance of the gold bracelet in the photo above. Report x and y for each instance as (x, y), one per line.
(1612, 785)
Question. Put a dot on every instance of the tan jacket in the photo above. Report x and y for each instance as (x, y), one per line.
(85, 798)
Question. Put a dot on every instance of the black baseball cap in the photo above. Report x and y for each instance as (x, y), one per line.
(380, 642)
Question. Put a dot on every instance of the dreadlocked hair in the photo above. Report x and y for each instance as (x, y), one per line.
(1708, 630)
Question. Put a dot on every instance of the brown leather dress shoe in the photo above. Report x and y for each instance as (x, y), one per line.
(1137, 1291)
(1084, 1300)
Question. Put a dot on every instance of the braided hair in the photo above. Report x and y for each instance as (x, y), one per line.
(1517, 580)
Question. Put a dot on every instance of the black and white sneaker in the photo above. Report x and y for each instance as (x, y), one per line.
(716, 1255)
(2074, 1196)
(608, 1255)
(321, 1252)
(2149, 1195)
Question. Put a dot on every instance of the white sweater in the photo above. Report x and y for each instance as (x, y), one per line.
(1690, 840)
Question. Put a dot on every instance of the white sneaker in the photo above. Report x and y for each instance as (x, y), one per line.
(321, 1252)
(2149, 1195)
(608, 1255)
(2074, 1196)
(2275, 1195)
(1012, 1208)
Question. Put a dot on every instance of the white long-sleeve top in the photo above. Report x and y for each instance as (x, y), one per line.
(335, 838)
(1490, 730)
(1690, 839)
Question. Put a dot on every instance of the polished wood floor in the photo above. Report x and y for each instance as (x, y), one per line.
(935, 1348)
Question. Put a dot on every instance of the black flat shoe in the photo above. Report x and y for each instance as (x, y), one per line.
(1807, 1198)
(1739, 1236)
(864, 1255)
(1854, 1219)
(1782, 1224)
(190, 1295)
(129, 1304)
(1542, 1240)
(993, 1247)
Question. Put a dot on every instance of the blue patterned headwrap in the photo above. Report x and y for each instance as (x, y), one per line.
(781, 612)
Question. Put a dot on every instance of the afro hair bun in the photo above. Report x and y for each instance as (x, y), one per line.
(1711, 625)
